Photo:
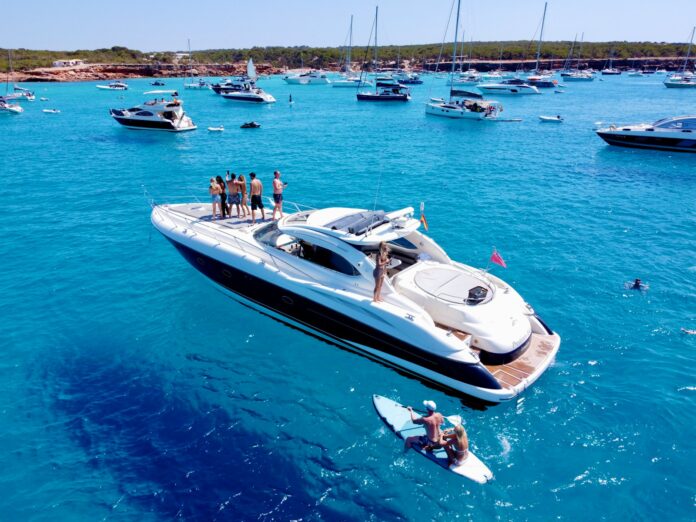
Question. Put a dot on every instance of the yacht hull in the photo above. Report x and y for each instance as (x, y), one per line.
(152, 125)
(643, 141)
(383, 97)
(450, 111)
(326, 323)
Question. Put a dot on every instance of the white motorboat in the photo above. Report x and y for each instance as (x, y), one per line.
(51, 111)
(513, 86)
(245, 90)
(308, 78)
(10, 108)
(441, 320)
(159, 114)
(216, 129)
(465, 80)
(611, 71)
(114, 86)
(24, 94)
(551, 119)
(675, 134)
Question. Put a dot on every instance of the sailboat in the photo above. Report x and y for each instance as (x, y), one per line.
(610, 70)
(245, 90)
(576, 75)
(683, 78)
(543, 81)
(194, 83)
(350, 79)
(5, 106)
(386, 89)
(472, 108)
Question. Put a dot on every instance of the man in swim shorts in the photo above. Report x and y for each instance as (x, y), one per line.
(256, 201)
(233, 195)
(432, 422)
(278, 187)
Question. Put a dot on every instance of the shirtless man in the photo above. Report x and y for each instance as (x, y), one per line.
(233, 196)
(256, 201)
(278, 187)
(432, 422)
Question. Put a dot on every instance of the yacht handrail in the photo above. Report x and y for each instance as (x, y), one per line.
(243, 245)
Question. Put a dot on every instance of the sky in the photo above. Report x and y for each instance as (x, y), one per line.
(155, 25)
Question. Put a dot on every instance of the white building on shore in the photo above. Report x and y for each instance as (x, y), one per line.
(68, 63)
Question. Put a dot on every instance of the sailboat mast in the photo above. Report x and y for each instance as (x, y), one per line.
(541, 35)
(582, 41)
(350, 44)
(454, 47)
(688, 51)
(376, 13)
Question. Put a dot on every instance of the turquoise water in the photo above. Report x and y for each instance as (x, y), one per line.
(130, 389)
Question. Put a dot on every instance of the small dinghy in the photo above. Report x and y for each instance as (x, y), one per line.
(250, 125)
(398, 418)
(43, 99)
(216, 129)
(51, 111)
(551, 119)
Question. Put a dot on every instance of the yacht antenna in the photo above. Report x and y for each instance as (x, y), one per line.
(374, 206)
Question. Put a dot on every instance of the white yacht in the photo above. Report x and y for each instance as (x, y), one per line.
(114, 86)
(199, 84)
(465, 79)
(23, 93)
(443, 321)
(676, 134)
(512, 86)
(249, 94)
(308, 78)
(159, 114)
(577, 76)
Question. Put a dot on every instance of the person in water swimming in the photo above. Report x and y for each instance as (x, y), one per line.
(457, 446)
(637, 285)
(432, 422)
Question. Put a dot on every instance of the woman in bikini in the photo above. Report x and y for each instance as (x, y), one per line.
(457, 446)
(380, 270)
(241, 181)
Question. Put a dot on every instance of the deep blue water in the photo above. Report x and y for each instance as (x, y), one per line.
(130, 389)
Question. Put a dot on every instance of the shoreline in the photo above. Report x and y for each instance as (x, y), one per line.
(115, 71)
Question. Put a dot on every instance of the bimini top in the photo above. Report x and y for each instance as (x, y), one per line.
(355, 226)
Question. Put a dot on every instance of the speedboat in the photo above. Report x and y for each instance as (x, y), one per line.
(236, 83)
(51, 111)
(114, 86)
(551, 119)
(443, 321)
(512, 86)
(197, 84)
(250, 125)
(249, 93)
(9, 108)
(157, 83)
(390, 93)
(308, 78)
(676, 133)
(679, 81)
(159, 114)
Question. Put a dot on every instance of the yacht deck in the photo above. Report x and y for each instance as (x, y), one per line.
(202, 212)
(514, 372)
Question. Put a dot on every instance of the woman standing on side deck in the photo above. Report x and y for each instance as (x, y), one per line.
(380, 270)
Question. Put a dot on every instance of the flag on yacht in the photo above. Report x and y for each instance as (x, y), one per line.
(497, 258)
(422, 217)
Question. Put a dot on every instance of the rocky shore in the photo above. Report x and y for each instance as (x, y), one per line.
(102, 71)
(94, 72)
